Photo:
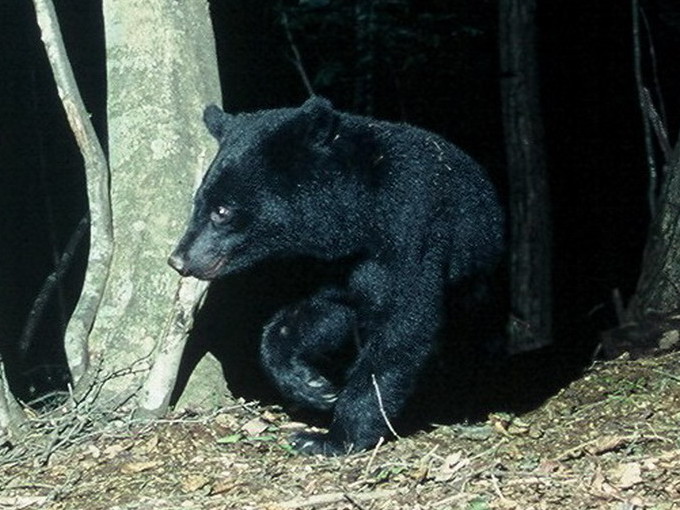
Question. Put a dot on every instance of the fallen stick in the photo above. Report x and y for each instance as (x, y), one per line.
(335, 497)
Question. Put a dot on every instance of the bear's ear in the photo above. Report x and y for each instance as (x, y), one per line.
(317, 104)
(215, 120)
(321, 119)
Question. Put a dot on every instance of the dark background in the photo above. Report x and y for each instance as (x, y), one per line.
(437, 67)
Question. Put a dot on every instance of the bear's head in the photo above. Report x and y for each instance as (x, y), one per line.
(278, 186)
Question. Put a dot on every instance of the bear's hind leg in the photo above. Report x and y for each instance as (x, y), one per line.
(395, 346)
(300, 346)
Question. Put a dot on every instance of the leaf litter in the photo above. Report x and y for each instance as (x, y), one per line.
(608, 440)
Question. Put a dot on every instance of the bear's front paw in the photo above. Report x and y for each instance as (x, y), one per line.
(318, 443)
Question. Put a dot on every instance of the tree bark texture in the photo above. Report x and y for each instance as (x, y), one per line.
(658, 288)
(11, 415)
(161, 72)
(530, 236)
(651, 321)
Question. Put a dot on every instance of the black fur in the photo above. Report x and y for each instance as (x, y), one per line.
(413, 212)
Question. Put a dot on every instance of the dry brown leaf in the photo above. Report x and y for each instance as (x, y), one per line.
(627, 475)
(19, 502)
(269, 416)
(150, 445)
(597, 482)
(669, 460)
(507, 504)
(420, 473)
(451, 465)
(114, 449)
(88, 463)
(610, 490)
(138, 467)
(222, 486)
(255, 427)
(549, 466)
(650, 464)
(535, 432)
(292, 425)
(518, 427)
(94, 451)
(224, 420)
(600, 485)
(637, 502)
(500, 423)
(192, 483)
(673, 490)
(605, 444)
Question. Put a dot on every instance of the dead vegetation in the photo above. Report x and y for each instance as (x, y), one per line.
(611, 439)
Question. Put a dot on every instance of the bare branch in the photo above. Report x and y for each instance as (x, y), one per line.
(337, 497)
(297, 60)
(637, 67)
(50, 285)
(654, 119)
(619, 308)
(97, 174)
(161, 380)
(654, 69)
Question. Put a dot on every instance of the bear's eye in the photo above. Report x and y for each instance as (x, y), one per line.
(222, 215)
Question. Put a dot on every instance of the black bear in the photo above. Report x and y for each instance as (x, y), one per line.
(412, 214)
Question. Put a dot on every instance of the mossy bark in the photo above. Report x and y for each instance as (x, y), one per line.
(161, 71)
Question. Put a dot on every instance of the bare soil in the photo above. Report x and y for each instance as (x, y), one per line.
(608, 440)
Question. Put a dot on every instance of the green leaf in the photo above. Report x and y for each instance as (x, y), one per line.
(288, 448)
(478, 504)
(230, 439)
(261, 438)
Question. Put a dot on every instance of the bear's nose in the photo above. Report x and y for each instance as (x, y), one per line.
(176, 261)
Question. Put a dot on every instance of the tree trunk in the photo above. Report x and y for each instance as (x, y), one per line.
(651, 322)
(658, 288)
(11, 415)
(530, 238)
(161, 71)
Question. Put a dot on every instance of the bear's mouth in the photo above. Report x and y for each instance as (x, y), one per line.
(211, 272)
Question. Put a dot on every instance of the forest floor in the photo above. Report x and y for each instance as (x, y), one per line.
(609, 439)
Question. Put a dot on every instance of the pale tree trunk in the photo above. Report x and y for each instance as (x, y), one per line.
(127, 335)
(161, 72)
(530, 237)
(11, 415)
